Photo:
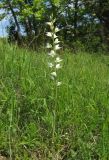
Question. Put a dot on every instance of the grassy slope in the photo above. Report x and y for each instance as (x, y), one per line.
(27, 105)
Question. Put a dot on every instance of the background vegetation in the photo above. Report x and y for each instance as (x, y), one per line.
(27, 104)
(83, 22)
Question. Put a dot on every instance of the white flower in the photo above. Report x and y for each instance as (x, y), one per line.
(53, 74)
(58, 66)
(48, 45)
(52, 53)
(50, 65)
(55, 36)
(49, 23)
(57, 29)
(49, 34)
(59, 83)
(58, 60)
(57, 47)
(56, 41)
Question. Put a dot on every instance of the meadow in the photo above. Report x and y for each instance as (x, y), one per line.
(36, 126)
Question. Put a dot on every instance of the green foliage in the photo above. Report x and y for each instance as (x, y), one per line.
(56, 2)
(78, 19)
(26, 103)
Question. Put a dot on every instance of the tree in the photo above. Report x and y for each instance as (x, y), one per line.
(79, 20)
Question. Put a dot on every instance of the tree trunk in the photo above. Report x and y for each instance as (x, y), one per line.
(75, 17)
(15, 19)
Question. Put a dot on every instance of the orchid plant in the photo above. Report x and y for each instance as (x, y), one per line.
(55, 63)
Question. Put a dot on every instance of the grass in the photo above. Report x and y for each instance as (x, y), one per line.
(27, 105)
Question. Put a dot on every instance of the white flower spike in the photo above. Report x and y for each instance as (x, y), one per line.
(55, 63)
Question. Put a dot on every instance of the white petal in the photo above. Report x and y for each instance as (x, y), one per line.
(48, 45)
(55, 36)
(56, 41)
(59, 83)
(49, 34)
(49, 23)
(50, 65)
(58, 66)
(58, 60)
(57, 47)
(52, 53)
(57, 29)
(53, 74)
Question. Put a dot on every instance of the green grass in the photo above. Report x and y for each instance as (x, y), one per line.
(27, 107)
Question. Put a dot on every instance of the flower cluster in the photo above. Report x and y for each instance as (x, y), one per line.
(55, 60)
